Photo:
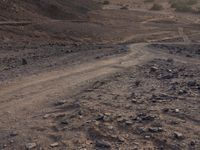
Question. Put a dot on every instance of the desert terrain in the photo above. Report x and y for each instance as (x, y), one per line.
(100, 75)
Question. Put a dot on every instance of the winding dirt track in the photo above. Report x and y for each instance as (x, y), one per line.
(30, 95)
(25, 98)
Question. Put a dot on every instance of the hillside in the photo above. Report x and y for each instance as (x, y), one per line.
(40, 9)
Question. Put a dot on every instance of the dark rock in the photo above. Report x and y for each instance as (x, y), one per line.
(61, 102)
(140, 130)
(24, 61)
(14, 133)
(165, 110)
(144, 117)
(193, 143)
(191, 83)
(100, 117)
(170, 60)
(167, 76)
(155, 129)
(64, 122)
(181, 92)
(137, 83)
(102, 144)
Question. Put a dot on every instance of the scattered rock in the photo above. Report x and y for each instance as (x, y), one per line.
(128, 122)
(176, 110)
(103, 117)
(61, 102)
(140, 130)
(155, 129)
(100, 117)
(46, 116)
(147, 136)
(153, 69)
(134, 101)
(13, 133)
(170, 60)
(144, 117)
(193, 143)
(65, 122)
(178, 135)
(102, 144)
(137, 83)
(165, 110)
(181, 92)
(30, 146)
(192, 83)
(24, 61)
(54, 144)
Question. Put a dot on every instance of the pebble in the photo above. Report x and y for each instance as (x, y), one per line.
(14, 133)
(134, 101)
(177, 110)
(64, 122)
(24, 61)
(147, 137)
(191, 83)
(178, 135)
(54, 144)
(153, 69)
(193, 143)
(30, 146)
(61, 102)
(155, 129)
(46, 116)
(129, 122)
(102, 144)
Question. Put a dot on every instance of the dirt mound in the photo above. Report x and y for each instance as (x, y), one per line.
(40, 9)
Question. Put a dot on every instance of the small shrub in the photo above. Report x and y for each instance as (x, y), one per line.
(157, 7)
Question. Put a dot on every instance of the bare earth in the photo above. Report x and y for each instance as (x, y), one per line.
(119, 79)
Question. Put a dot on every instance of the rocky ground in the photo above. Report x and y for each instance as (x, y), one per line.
(46, 56)
(118, 77)
(152, 105)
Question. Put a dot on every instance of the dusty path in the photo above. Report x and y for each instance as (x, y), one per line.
(26, 97)
(22, 101)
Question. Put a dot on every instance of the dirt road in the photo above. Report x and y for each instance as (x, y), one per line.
(27, 97)
(26, 101)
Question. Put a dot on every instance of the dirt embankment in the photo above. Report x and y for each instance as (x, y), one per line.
(18, 10)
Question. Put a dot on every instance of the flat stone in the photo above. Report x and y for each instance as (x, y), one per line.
(177, 110)
(61, 102)
(65, 122)
(155, 129)
(153, 69)
(129, 122)
(13, 133)
(178, 135)
(191, 83)
(46, 116)
(30, 146)
(102, 144)
(54, 144)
